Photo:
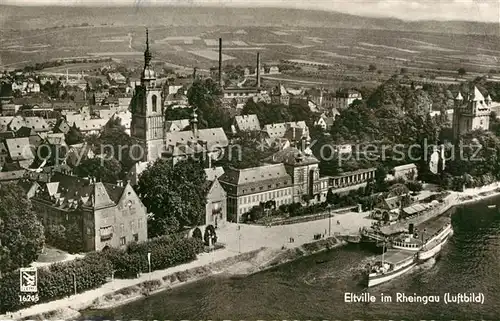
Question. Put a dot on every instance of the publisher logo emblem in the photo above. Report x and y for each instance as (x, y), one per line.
(28, 280)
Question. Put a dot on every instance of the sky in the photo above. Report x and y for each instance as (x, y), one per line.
(471, 10)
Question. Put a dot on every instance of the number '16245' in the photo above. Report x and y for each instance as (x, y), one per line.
(25, 298)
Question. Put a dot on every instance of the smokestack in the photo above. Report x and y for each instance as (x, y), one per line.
(220, 62)
(258, 70)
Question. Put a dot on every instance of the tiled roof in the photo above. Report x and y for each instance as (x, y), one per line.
(176, 125)
(5, 120)
(477, 96)
(56, 139)
(37, 123)
(247, 122)
(214, 172)
(25, 132)
(70, 192)
(404, 167)
(91, 124)
(278, 130)
(16, 123)
(13, 175)
(254, 174)
(19, 148)
(292, 156)
(214, 137)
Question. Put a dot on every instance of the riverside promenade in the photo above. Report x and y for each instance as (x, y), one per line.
(239, 238)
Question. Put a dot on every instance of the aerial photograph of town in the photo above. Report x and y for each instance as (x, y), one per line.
(249, 160)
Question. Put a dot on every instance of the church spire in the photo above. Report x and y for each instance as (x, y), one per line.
(147, 53)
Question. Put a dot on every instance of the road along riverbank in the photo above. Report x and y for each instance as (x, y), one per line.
(242, 265)
(250, 260)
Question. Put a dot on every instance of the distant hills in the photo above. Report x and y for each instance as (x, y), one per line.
(14, 17)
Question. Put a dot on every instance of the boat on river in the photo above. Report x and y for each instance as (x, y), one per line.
(434, 245)
(492, 206)
(394, 263)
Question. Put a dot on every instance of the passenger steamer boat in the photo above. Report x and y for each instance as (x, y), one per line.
(433, 246)
(393, 264)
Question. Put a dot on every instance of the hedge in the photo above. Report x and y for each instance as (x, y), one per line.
(57, 280)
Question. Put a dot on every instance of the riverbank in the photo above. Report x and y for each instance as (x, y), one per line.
(241, 265)
(471, 195)
(250, 249)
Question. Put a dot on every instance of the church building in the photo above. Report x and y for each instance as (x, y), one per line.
(149, 125)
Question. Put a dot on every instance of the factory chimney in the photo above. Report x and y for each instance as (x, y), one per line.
(220, 62)
(258, 70)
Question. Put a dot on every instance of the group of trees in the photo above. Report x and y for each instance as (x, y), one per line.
(175, 194)
(21, 233)
(114, 157)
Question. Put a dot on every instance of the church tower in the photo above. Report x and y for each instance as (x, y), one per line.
(147, 113)
(472, 111)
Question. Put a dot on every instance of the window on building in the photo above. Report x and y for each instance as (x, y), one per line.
(136, 237)
(122, 227)
(154, 102)
(261, 188)
(123, 240)
(269, 186)
(106, 233)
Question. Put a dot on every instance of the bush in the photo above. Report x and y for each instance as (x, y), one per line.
(95, 268)
(414, 186)
(197, 234)
(57, 281)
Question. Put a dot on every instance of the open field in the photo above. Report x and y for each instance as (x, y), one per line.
(342, 51)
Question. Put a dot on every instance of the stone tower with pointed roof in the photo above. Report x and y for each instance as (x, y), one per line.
(472, 111)
(147, 113)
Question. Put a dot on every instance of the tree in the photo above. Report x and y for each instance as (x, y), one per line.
(175, 195)
(372, 67)
(404, 71)
(380, 176)
(197, 234)
(21, 233)
(210, 236)
(103, 169)
(461, 71)
(74, 136)
(205, 96)
(115, 142)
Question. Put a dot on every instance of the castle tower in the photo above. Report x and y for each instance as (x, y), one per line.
(147, 113)
(470, 113)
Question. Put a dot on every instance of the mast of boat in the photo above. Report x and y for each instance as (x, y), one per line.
(383, 251)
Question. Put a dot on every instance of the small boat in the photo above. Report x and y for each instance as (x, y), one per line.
(492, 206)
(320, 261)
(393, 264)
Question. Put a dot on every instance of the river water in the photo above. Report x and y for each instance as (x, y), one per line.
(314, 287)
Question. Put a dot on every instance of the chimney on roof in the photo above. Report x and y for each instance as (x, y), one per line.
(220, 62)
(258, 70)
